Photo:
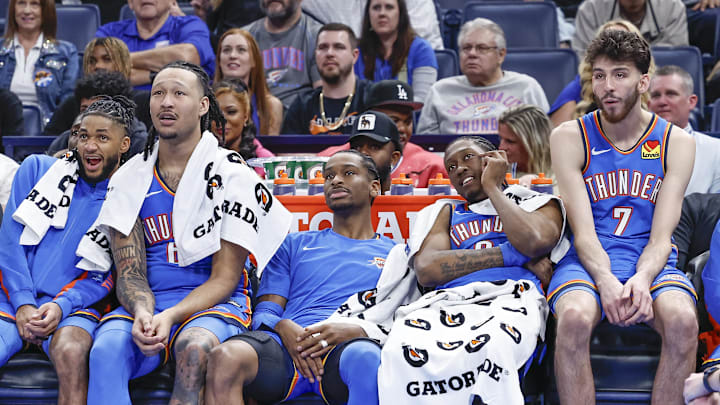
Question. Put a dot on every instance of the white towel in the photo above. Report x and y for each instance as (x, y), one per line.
(218, 197)
(48, 202)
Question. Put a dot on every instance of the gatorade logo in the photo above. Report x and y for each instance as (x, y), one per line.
(650, 150)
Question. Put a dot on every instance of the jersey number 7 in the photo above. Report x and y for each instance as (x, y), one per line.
(622, 214)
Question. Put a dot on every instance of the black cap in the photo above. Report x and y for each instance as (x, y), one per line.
(391, 92)
(377, 126)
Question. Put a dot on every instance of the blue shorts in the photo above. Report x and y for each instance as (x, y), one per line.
(223, 321)
(570, 275)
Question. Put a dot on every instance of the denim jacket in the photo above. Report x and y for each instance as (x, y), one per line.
(56, 71)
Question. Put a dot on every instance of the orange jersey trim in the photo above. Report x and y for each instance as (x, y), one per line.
(639, 142)
(563, 285)
(586, 141)
(294, 382)
(87, 313)
(72, 284)
(673, 283)
(663, 150)
(6, 315)
(161, 182)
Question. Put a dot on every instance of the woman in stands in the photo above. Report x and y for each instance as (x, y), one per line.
(109, 54)
(390, 49)
(576, 99)
(30, 40)
(234, 101)
(525, 137)
(238, 57)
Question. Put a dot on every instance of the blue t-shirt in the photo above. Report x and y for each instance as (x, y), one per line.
(168, 281)
(469, 230)
(176, 30)
(571, 92)
(420, 54)
(316, 271)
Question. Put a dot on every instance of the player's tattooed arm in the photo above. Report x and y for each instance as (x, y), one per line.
(436, 264)
(133, 289)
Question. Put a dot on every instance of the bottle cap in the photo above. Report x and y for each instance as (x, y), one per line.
(283, 179)
(509, 179)
(439, 179)
(401, 179)
(541, 179)
(318, 179)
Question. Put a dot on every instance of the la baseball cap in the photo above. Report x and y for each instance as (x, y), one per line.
(376, 126)
(391, 92)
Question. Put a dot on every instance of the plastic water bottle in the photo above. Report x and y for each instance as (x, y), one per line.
(439, 185)
(284, 185)
(509, 180)
(542, 184)
(315, 185)
(401, 185)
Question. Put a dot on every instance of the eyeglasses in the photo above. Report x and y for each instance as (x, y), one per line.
(467, 48)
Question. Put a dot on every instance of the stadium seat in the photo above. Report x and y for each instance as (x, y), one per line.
(78, 23)
(715, 123)
(33, 121)
(552, 68)
(688, 58)
(526, 24)
(448, 4)
(450, 22)
(19, 147)
(448, 64)
(127, 14)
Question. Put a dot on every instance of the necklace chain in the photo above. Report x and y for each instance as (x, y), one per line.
(341, 119)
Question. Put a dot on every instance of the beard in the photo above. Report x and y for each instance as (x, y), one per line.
(384, 172)
(287, 11)
(111, 163)
(627, 105)
(334, 78)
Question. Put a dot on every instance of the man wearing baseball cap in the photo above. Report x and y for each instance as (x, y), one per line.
(394, 98)
(376, 135)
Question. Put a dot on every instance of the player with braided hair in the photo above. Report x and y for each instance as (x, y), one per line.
(45, 298)
(168, 308)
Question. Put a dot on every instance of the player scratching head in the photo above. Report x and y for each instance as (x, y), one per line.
(104, 137)
(620, 61)
(182, 106)
(351, 184)
(465, 161)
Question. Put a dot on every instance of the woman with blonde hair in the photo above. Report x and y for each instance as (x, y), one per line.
(238, 57)
(525, 137)
(576, 99)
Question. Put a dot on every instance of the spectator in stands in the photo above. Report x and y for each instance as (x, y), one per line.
(333, 107)
(661, 22)
(525, 137)
(672, 97)
(470, 103)
(393, 98)
(37, 67)
(101, 54)
(223, 15)
(423, 17)
(390, 49)
(238, 57)
(311, 274)
(239, 132)
(622, 264)
(375, 134)
(11, 115)
(46, 297)
(287, 40)
(156, 38)
(87, 90)
(700, 214)
(8, 167)
(576, 98)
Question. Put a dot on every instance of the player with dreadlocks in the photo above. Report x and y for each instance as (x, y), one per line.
(170, 306)
(46, 297)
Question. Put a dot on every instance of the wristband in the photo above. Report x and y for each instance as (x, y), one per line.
(267, 313)
(511, 256)
(706, 377)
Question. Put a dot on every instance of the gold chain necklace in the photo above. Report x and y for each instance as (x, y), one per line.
(341, 119)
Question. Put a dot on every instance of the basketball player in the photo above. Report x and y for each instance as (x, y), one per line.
(310, 276)
(622, 172)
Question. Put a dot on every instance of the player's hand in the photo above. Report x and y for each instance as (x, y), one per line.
(703, 4)
(45, 319)
(22, 318)
(144, 335)
(309, 342)
(310, 367)
(542, 268)
(636, 292)
(694, 387)
(614, 306)
(712, 399)
(495, 166)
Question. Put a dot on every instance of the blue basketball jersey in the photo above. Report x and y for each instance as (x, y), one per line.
(623, 186)
(169, 282)
(469, 230)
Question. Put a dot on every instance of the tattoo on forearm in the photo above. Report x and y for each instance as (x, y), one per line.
(129, 255)
(466, 262)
